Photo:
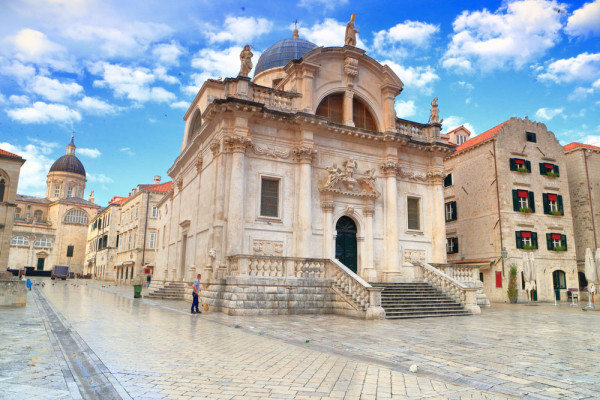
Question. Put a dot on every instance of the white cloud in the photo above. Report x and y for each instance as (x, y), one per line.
(421, 78)
(548, 113)
(512, 36)
(584, 67)
(239, 30)
(34, 46)
(91, 153)
(99, 178)
(413, 33)
(16, 69)
(329, 33)
(585, 21)
(32, 179)
(21, 100)
(405, 109)
(42, 113)
(453, 122)
(95, 106)
(130, 82)
(213, 64)
(184, 105)
(466, 85)
(54, 90)
(168, 53)
(127, 151)
(162, 75)
(321, 4)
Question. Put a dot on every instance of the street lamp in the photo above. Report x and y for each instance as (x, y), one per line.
(504, 253)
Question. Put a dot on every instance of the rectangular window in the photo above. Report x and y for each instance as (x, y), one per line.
(523, 201)
(451, 211)
(414, 217)
(129, 240)
(152, 240)
(136, 213)
(104, 241)
(556, 241)
(117, 241)
(530, 136)
(70, 192)
(549, 169)
(448, 180)
(520, 165)
(134, 240)
(553, 204)
(526, 240)
(452, 245)
(56, 191)
(154, 211)
(269, 197)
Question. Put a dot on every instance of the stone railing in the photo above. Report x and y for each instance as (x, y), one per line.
(408, 128)
(459, 291)
(363, 296)
(272, 98)
(468, 274)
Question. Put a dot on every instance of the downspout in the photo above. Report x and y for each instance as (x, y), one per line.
(587, 176)
(145, 230)
(498, 204)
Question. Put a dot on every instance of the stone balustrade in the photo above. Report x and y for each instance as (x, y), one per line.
(459, 291)
(463, 273)
(272, 98)
(409, 128)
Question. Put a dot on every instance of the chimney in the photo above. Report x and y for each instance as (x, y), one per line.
(133, 191)
(156, 179)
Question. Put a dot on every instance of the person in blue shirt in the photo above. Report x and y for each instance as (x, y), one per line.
(195, 294)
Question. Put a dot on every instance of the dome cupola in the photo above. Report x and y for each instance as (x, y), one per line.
(282, 52)
(69, 162)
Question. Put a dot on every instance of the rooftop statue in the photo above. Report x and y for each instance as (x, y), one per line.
(351, 32)
(434, 117)
(246, 60)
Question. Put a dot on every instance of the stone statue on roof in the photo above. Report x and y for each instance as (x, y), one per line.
(246, 60)
(434, 117)
(351, 32)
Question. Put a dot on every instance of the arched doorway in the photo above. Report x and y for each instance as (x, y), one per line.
(345, 243)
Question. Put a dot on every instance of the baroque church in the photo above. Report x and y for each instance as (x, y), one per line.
(46, 228)
(297, 187)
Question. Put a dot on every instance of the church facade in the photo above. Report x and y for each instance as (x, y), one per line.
(297, 187)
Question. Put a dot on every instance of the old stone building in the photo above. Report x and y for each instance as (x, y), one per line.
(102, 242)
(507, 191)
(583, 167)
(10, 168)
(295, 188)
(45, 227)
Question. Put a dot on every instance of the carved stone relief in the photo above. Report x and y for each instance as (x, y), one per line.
(267, 247)
(414, 256)
(304, 153)
(349, 181)
(236, 144)
(270, 152)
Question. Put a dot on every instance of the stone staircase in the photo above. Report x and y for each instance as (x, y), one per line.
(171, 291)
(417, 300)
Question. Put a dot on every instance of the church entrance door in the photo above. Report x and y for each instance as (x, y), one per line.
(345, 243)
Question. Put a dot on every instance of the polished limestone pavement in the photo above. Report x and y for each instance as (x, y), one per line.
(89, 339)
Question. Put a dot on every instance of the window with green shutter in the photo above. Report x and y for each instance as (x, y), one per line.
(520, 165)
(553, 204)
(556, 241)
(448, 180)
(451, 214)
(530, 137)
(548, 169)
(526, 240)
(523, 201)
(452, 245)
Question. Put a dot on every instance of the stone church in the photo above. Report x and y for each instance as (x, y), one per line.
(295, 188)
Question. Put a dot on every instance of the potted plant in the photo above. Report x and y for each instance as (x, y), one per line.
(525, 210)
(512, 284)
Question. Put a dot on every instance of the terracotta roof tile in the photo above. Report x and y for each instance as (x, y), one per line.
(117, 200)
(482, 137)
(9, 154)
(576, 145)
(160, 187)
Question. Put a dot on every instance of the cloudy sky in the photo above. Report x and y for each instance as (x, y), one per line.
(119, 75)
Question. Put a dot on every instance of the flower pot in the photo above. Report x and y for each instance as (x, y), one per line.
(513, 300)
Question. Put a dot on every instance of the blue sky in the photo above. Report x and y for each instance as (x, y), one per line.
(121, 74)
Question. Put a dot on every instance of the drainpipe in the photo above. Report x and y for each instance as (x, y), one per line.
(145, 230)
(498, 203)
(587, 176)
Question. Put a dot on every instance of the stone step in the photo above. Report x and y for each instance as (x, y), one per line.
(422, 315)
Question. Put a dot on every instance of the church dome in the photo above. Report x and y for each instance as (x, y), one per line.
(68, 163)
(282, 52)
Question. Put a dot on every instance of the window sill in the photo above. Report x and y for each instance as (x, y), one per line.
(414, 232)
(269, 219)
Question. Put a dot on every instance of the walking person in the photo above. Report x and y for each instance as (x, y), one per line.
(195, 294)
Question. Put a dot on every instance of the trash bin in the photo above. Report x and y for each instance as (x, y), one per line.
(137, 291)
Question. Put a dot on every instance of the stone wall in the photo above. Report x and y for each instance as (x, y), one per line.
(13, 293)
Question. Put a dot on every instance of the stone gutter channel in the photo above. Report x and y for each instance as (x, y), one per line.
(85, 374)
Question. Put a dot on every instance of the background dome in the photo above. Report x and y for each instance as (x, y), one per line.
(68, 163)
(282, 52)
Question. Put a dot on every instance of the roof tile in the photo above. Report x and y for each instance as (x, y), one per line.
(482, 137)
(576, 145)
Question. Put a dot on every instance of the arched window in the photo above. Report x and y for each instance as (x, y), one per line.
(2, 185)
(559, 279)
(43, 242)
(19, 241)
(38, 215)
(332, 107)
(195, 126)
(76, 217)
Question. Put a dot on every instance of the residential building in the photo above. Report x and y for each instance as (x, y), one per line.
(583, 167)
(457, 135)
(10, 168)
(52, 230)
(507, 193)
(103, 241)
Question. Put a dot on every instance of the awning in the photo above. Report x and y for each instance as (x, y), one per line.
(552, 197)
(118, 265)
(522, 193)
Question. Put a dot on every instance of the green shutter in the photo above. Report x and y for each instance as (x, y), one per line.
(516, 200)
(534, 241)
(531, 202)
(528, 165)
(519, 239)
(454, 213)
(542, 169)
(513, 164)
(456, 245)
(546, 203)
(563, 240)
(549, 241)
(556, 170)
(560, 205)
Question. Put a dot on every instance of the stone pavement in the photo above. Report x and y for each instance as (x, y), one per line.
(143, 349)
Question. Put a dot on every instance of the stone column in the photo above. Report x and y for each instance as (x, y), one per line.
(390, 206)
(218, 221)
(327, 208)
(235, 213)
(389, 112)
(370, 274)
(435, 179)
(304, 155)
(348, 111)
